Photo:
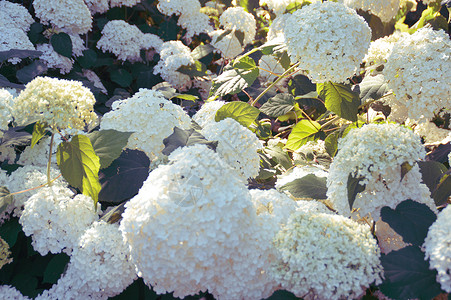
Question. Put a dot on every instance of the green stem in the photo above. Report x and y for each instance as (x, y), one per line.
(275, 82)
(330, 121)
(49, 181)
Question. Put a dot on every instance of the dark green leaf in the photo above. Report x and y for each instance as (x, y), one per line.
(18, 53)
(115, 214)
(309, 186)
(405, 168)
(62, 44)
(303, 132)
(407, 275)
(55, 268)
(121, 77)
(240, 36)
(26, 284)
(124, 177)
(35, 34)
(302, 85)
(5, 198)
(282, 295)
(278, 105)
(197, 69)
(202, 51)
(339, 99)
(372, 88)
(431, 172)
(88, 59)
(10, 230)
(283, 59)
(410, 219)
(331, 143)
(182, 138)
(244, 63)
(280, 156)
(241, 112)
(440, 153)
(108, 144)
(79, 165)
(293, 6)
(147, 79)
(354, 187)
(39, 131)
(223, 35)
(168, 30)
(28, 73)
(443, 190)
(4, 82)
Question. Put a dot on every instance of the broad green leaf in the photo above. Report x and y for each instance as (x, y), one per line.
(5, 198)
(13, 136)
(108, 144)
(354, 187)
(62, 44)
(331, 143)
(31, 71)
(284, 59)
(339, 99)
(303, 132)
(307, 187)
(301, 85)
(240, 37)
(407, 275)
(4, 82)
(244, 63)
(88, 59)
(185, 97)
(440, 153)
(223, 35)
(121, 77)
(10, 230)
(80, 165)
(278, 105)
(431, 172)
(410, 219)
(197, 69)
(280, 156)
(272, 46)
(241, 112)
(182, 138)
(282, 295)
(202, 51)
(39, 130)
(442, 190)
(372, 88)
(55, 268)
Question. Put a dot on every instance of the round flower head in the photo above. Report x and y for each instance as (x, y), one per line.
(55, 220)
(437, 247)
(386, 10)
(119, 3)
(73, 16)
(314, 257)
(237, 145)
(421, 82)
(58, 102)
(143, 114)
(328, 39)
(10, 293)
(15, 15)
(192, 227)
(97, 6)
(207, 112)
(375, 154)
(229, 46)
(6, 103)
(173, 55)
(236, 18)
(55, 60)
(14, 38)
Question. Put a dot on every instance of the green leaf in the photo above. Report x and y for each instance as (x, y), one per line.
(301, 85)
(240, 36)
(405, 168)
(39, 130)
(223, 35)
(282, 295)
(121, 77)
(284, 59)
(88, 59)
(372, 88)
(431, 172)
(410, 219)
(280, 156)
(202, 51)
(55, 268)
(62, 44)
(309, 186)
(115, 214)
(108, 144)
(197, 69)
(278, 105)
(10, 230)
(339, 99)
(272, 46)
(293, 6)
(407, 275)
(5, 198)
(331, 143)
(303, 132)
(182, 138)
(443, 190)
(354, 187)
(79, 165)
(185, 97)
(241, 112)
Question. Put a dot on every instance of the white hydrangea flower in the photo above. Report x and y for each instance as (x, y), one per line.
(7, 153)
(55, 60)
(55, 220)
(299, 172)
(386, 10)
(73, 16)
(236, 18)
(10, 293)
(97, 6)
(15, 15)
(229, 46)
(328, 39)
(6, 103)
(315, 260)
(192, 227)
(39, 154)
(421, 83)
(14, 38)
(173, 55)
(271, 64)
(99, 266)
(126, 41)
(150, 117)
(277, 26)
(78, 45)
(437, 247)
(58, 102)
(206, 114)
(92, 76)
(376, 152)
(429, 131)
(237, 145)
(381, 48)
(129, 3)
(316, 148)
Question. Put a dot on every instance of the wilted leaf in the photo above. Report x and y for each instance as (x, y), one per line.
(354, 187)
(303, 132)
(309, 186)
(339, 99)
(108, 144)
(278, 105)
(62, 44)
(241, 112)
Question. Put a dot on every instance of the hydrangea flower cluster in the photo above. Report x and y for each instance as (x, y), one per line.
(173, 55)
(11, 293)
(58, 102)
(429, 131)
(6, 104)
(72, 16)
(14, 38)
(55, 220)
(386, 10)
(299, 172)
(277, 26)
(381, 48)
(315, 260)
(143, 114)
(126, 41)
(236, 18)
(229, 46)
(193, 227)
(328, 39)
(99, 266)
(97, 6)
(437, 247)
(237, 145)
(5, 253)
(421, 83)
(206, 114)
(14, 15)
(375, 152)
